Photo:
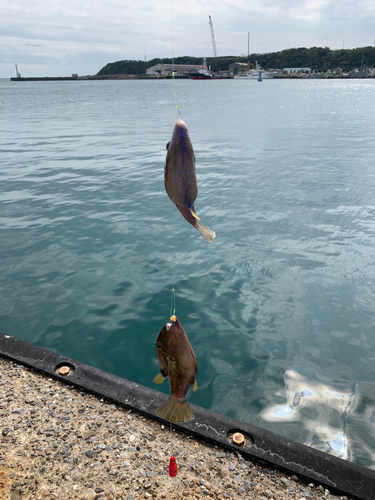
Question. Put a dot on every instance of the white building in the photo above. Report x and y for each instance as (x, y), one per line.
(166, 69)
(296, 70)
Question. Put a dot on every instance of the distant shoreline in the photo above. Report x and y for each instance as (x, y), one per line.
(149, 77)
(92, 77)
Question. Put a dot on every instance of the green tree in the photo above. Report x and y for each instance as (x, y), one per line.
(317, 58)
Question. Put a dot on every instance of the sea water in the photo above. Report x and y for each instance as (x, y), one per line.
(280, 308)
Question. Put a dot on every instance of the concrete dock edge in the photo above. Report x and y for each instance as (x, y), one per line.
(334, 473)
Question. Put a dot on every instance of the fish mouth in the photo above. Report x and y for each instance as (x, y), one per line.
(181, 123)
(173, 319)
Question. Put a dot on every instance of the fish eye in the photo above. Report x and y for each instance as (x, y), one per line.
(158, 345)
(171, 358)
(167, 146)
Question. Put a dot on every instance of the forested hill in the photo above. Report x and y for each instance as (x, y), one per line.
(317, 58)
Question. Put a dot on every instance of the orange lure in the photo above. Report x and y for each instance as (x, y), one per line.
(172, 467)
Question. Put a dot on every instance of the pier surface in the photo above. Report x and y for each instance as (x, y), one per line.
(58, 442)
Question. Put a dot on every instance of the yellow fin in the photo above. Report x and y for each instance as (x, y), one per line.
(195, 215)
(195, 385)
(159, 379)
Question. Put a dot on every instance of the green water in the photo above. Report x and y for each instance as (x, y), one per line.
(279, 308)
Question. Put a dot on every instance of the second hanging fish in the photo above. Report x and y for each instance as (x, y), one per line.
(180, 177)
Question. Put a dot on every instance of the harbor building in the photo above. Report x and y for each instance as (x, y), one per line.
(237, 68)
(296, 70)
(167, 69)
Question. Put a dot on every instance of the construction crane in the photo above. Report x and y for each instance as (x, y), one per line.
(18, 74)
(212, 36)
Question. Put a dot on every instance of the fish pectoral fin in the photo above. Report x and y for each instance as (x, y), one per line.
(195, 385)
(195, 215)
(159, 379)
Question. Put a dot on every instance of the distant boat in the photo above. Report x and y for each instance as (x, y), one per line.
(204, 73)
(256, 74)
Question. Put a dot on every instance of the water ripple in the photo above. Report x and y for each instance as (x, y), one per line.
(279, 309)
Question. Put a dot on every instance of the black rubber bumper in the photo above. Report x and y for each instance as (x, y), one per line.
(337, 475)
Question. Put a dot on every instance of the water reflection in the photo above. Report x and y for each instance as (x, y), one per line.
(312, 403)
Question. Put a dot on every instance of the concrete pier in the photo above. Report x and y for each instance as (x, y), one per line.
(70, 431)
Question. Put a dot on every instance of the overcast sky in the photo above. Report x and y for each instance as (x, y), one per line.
(61, 37)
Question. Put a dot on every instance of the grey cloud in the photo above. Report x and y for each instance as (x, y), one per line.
(81, 34)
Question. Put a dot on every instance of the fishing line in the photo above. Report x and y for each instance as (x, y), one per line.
(169, 394)
(173, 78)
(173, 296)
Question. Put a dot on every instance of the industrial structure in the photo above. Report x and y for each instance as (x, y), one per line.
(168, 69)
(212, 36)
(289, 71)
(237, 68)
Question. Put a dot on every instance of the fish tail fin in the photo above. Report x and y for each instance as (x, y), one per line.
(194, 220)
(175, 410)
(205, 231)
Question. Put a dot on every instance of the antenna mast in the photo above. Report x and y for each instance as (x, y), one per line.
(212, 36)
(248, 50)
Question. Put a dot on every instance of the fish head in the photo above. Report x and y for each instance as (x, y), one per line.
(180, 134)
(168, 336)
(181, 123)
(173, 349)
(180, 137)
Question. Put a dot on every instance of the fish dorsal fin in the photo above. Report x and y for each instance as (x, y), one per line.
(195, 385)
(159, 379)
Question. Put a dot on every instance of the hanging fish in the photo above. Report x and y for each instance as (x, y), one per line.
(177, 362)
(172, 467)
(180, 178)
